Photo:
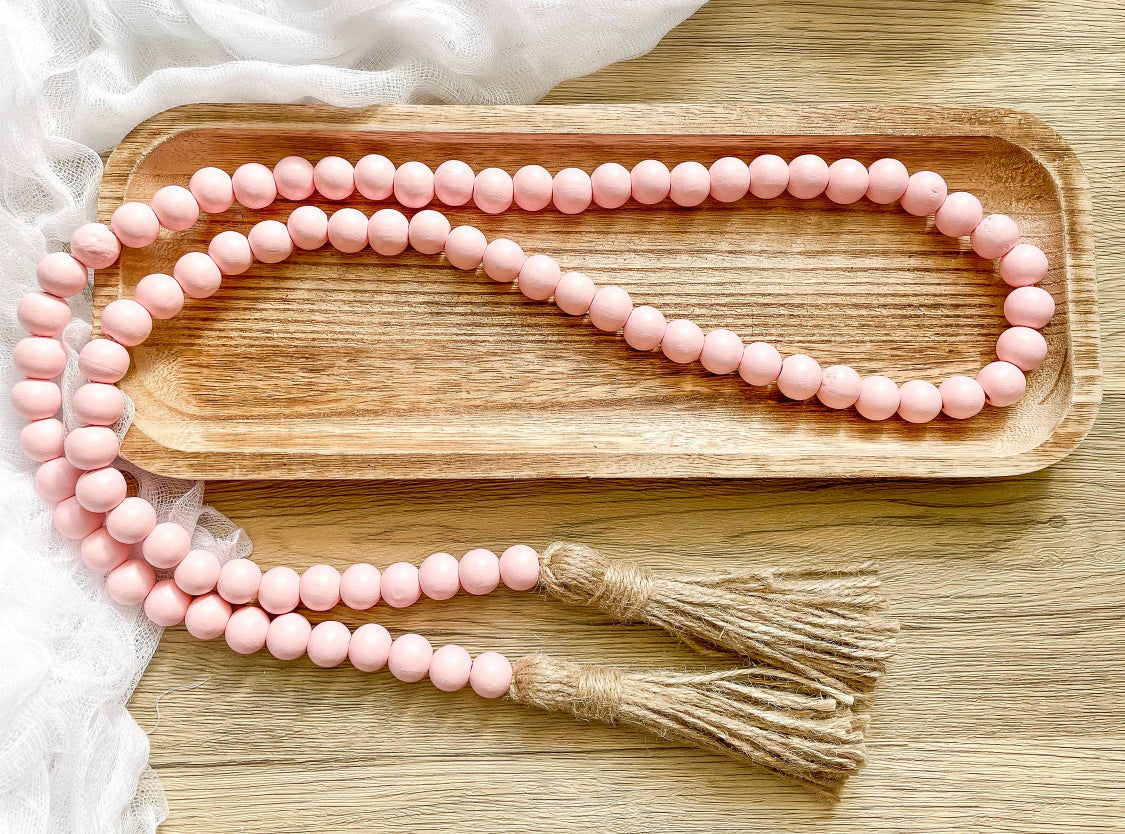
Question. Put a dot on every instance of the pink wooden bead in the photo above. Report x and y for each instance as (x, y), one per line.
(887, 181)
(43, 314)
(1029, 307)
(611, 185)
(126, 321)
(847, 181)
(519, 567)
(414, 185)
(539, 276)
(493, 191)
(213, 189)
(919, 401)
(240, 581)
(450, 667)
(839, 387)
(808, 176)
(575, 293)
(39, 357)
(98, 404)
(479, 571)
(334, 178)
(101, 552)
(279, 590)
(293, 177)
(503, 260)
(320, 588)
(42, 440)
(166, 545)
(288, 636)
(651, 181)
(175, 207)
(55, 480)
(409, 658)
(131, 521)
(464, 247)
(62, 275)
(961, 397)
(370, 647)
(689, 184)
(760, 364)
(491, 675)
(388, 232)
(878, 398)
(207, 617)
(375, 177)
(800, 377)
(308, 227)
(722, 351)
(610, 309)
(769, 176)
(730, 179)
(1023, 266)
(247, 629)
(359, 586)
(73, 520)
(130, 582)
(135, 224)
(198, 274)
(36, 399)
(348, 230)
(683, 341)
(572, 191)
(925, 193)
(93, 245)
(161, 295)
(532, 187)
(231, 253)
(399, 585)
(166, 604)
(198, 573)
(645, 328)
(995, 236)
(328, 644)
(959, 214)
(427, 231)
(254, 185)
(270, 241)
(438, 576)
(453, 182)
(1024, 347)
(100, 490)
(102, 360)
(91, 447)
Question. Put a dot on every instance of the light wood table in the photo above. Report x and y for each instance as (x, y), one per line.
(1003, 713)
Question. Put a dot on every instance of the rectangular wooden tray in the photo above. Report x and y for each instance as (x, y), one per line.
(359, 366)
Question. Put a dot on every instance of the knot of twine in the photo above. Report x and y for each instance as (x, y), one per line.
(588, 691)
(582, 576)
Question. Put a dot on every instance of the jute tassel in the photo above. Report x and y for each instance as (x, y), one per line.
(820, 624)
(767, 716)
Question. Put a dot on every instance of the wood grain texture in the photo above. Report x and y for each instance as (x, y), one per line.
(339, 366)
(1003, 712)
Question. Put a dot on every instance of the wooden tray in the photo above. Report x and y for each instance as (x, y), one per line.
(357, 366)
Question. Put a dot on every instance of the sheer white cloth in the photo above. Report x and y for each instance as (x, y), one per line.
(78, 75)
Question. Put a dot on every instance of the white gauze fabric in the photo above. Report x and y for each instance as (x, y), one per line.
(78, 75)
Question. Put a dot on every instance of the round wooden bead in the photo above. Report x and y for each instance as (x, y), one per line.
(254, 185)
(453, 182)
(101, 552)
(479, 571)
(130, 582)
(98, 404)
(438, 576)
(800, 377)
(308, 227)
(328, 644)
(91, 447)
(1029, 307)
(399, 585)
(125, 321)
(1023, 266)
(135, 224)
(197, 274)
(539, 276)
(650, 181)
(450, 667)
(348, 230)
(100, 490)
(925, 193)
(247, 629)
(645, 328)
(74, 521)
(161, 295)
(611, 185)
(271, 244)
(689, 184)
(760, 364)
(414, 185)
(55, 480)
(1024, 347)
(166, 605)
(320, 588)
(288, 636)
(808, 176)
(959, 214)
(43, 314)
(839, 387)
(39, 357)
(62, 275)
(961, 397)
(293, 177)
(166, 545)
(919, 401)
(848, 181)
(131, 521)
(575, 293)
(334, 178)
(42, 440)
(519, 567)
(730, 179)
(359, 586)
(231, 253)
(388, 232)
(722, 351)
(491, 675)
(572, 191)
(369, 648)
(887, 181)
(175, 207)
(103, 360)
(213, 189)
(240, 581)
(683, 341)
(532, 187)
(93, 245)
(995, 236)
(207, 617)
(878, 398)
(610, 309)
(464, 247)
(409, 658)
(375, 177)
(493, 191)
(36, 399)
(769, 176)
(279, 590)
(198, 573)
(503, 260)
(427, 231)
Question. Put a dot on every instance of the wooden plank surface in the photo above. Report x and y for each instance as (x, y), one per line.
(1003, 713)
